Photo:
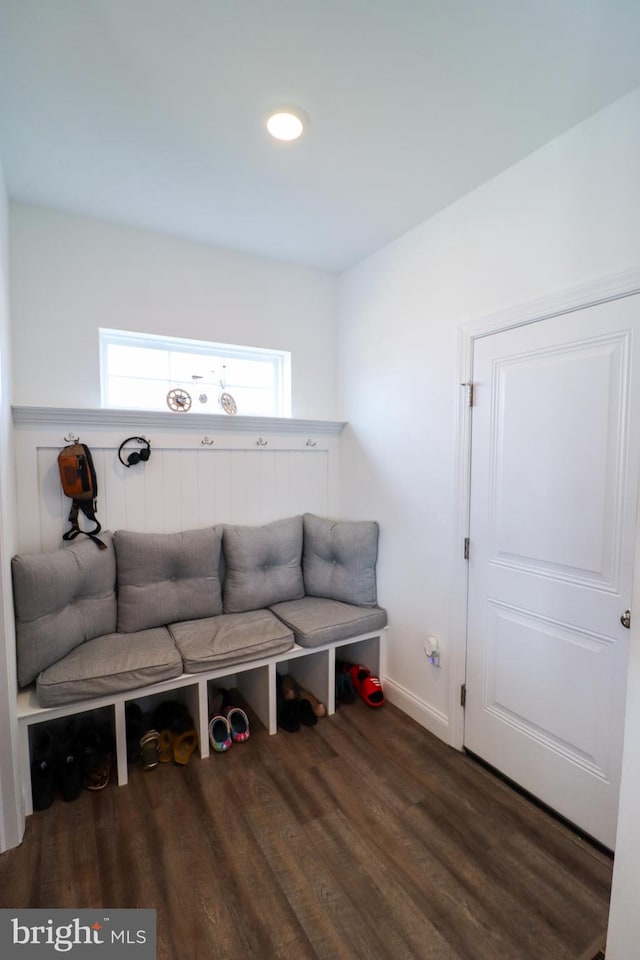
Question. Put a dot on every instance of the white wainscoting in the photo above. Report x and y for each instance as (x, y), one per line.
(202, 470)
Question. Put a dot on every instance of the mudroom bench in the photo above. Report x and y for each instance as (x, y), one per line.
(157, 616)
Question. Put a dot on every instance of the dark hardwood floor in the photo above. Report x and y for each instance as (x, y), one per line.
(361, 837)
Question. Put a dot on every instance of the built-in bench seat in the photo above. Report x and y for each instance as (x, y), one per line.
(159, 612)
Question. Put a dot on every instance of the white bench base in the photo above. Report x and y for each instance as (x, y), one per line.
(312, 667)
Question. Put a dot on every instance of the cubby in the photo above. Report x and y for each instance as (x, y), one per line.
(255, 681)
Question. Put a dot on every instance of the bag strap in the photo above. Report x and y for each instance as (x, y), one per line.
(88, 507)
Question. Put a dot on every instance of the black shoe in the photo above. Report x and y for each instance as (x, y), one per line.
(69, 764)
(135, 729)
(172, 715)
(43, 770)
(305, 714)
(289, 715)
(345, 691)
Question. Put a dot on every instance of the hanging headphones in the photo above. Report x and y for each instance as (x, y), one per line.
(136, 456)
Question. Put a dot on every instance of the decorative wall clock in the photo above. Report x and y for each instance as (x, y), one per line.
(178, 400)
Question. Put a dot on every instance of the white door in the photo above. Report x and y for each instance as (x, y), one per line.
(554, 484)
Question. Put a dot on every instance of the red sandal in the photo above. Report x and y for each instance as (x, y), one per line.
(366, 685)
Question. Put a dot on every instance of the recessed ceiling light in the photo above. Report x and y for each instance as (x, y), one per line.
(286, 124)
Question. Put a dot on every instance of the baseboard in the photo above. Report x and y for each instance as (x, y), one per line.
(419, 710)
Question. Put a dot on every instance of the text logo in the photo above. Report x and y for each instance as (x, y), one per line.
(80, 933)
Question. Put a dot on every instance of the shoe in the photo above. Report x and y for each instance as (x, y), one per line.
(238, 723)
(69, 774)
(134, 724)
(345, 692)
(96, 748)
(43, 771)
(306, 714)
(220, 734)
(150, 749)
(366, 685)
(165, 746)
(217, 700)
(318, 708)
(183, 746)
(289, 688)
(172, 715)
(289, 715)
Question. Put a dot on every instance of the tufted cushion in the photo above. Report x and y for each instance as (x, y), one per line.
(61, 598)
(263, 565)
(164, 577)
(231, 638)
(110, 664)
(339, 560)
(315, 620)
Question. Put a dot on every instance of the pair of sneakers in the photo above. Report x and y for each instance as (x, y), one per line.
(229, 727)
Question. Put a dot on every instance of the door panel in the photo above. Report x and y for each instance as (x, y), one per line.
(573, 515)
(554, 480)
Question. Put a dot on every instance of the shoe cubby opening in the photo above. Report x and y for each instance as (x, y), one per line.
(249, 688)
(365, 652)
(169, 715)
(313, 673)
(70, 754)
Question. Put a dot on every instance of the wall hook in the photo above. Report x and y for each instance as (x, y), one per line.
(261, 443)
(310, 443)
(206, 442)
(72, 438)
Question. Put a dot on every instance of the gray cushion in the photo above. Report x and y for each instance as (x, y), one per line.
(61, 598)
(110, 664)
(315, 620)
(231, 638)
(263, 564)
(339, 559)
(164, 577)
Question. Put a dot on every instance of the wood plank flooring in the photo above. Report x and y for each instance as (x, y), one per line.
(362, 837)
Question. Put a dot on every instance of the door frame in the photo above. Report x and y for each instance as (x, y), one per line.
(612, 287)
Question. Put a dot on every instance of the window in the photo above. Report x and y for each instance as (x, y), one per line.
(138, 370)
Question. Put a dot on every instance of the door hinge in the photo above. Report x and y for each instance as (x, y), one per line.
(463, 695)
(466, 548)
(469, 388)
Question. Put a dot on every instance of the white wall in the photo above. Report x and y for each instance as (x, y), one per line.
(568, 214)
(71, 275)
(565, 216)
(11, 814)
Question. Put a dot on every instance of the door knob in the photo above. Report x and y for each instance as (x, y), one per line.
(625, 619)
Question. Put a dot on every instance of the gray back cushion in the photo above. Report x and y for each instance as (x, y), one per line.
(61, 599)
(166, 577)
(339, 559)
(263, 565)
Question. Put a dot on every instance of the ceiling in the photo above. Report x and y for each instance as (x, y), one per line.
(151, 112)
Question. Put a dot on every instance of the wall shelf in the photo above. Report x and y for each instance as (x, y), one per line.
(159, 420)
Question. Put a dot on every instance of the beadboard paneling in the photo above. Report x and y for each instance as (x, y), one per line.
(189, 481)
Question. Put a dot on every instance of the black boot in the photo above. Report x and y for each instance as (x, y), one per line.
(69, 763)
(42, 770)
